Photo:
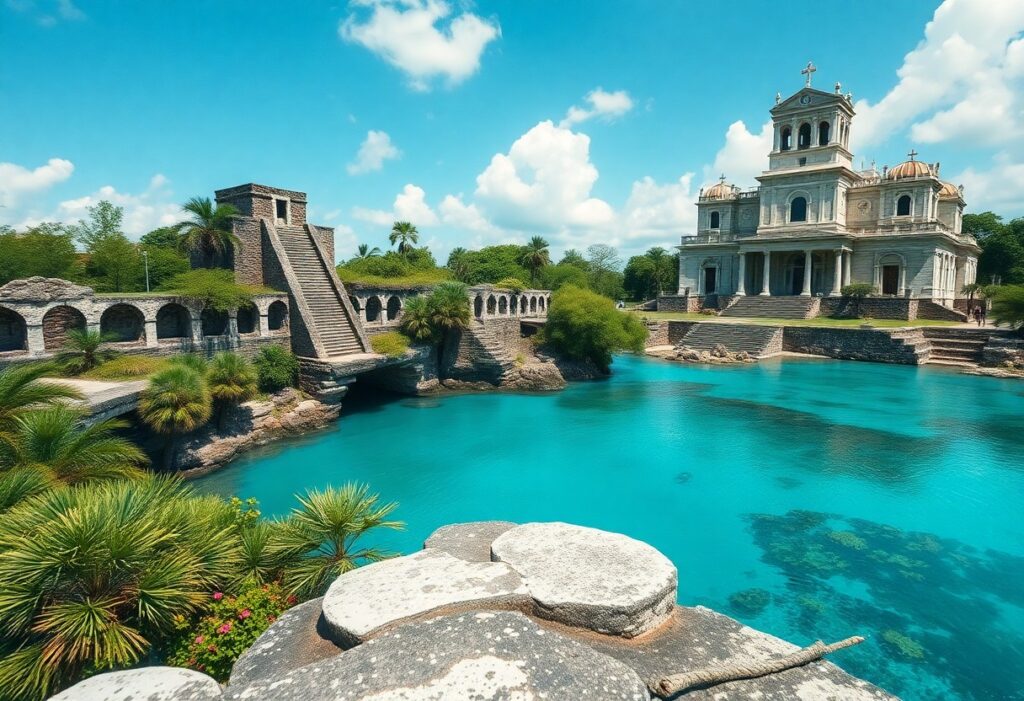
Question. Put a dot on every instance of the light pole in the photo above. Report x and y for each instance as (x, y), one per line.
(145, 260)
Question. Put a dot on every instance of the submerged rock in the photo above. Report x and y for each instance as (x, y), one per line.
(145, 684)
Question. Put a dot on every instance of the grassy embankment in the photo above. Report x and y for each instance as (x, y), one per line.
(819, 321)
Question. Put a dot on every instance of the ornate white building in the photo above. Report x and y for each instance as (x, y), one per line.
(816, 224)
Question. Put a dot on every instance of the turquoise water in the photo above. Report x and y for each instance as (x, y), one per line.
(811, 499)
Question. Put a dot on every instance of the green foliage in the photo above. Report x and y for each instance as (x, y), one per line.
(177, 401)
(857, 290)
(165, 237)
(416, 321)
(391, 344)
(276, 368)
(95, 575)
(364, 251)
(554, 277)
(127, 367)
(212, 642)
(603, 274)
(535, 256)
(213, 288)
(405, 234)
(47, 250)
(104, 222)
(115, 264)
(208, 231)
(513, 284)
(21, 391)
(1008, 306)
(164, 265)
(325, 530)
(489, 265)
(83, 351)
(1002, 247)
(232, 380)
(640, 278)
(416, 266)
(586, 326)
(574, 258)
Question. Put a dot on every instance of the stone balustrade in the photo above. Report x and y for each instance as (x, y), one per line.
(382, 306)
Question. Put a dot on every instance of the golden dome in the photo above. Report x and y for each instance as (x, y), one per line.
(910, 169)
(949, 190)
(719, 191)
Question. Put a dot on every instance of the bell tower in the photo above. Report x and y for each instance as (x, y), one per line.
(811, 127)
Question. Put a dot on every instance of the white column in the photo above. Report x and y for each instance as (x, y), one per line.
(837, 282)
(806, 291)
(766, 277)
(151, 333)
(682, 260)
(847, 263)
(741, 288)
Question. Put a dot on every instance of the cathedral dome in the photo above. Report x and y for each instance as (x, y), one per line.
(910, 169)
(949, 191)
(719, 191)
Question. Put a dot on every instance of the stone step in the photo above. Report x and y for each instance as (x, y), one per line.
(756, 340)
(773, 307)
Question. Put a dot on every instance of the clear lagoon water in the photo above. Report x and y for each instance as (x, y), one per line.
(810, 499)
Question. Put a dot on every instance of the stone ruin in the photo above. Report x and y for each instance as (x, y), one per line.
(494, 610)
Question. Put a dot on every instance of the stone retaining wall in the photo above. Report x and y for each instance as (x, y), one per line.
(903, 346)
(678, 329)
(657, 333)
(873, 307)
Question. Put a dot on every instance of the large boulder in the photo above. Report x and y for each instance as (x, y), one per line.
(43, 289)
(482, 655)
(468, 541)
(144, 684)
(296, 639)
(373, 598)
(587, 578)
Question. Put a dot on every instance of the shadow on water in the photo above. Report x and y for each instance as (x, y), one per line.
(942, 631)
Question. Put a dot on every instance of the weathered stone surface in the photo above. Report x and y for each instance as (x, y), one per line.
(43, 289)
(468, 541)
(145, 684)
(296, 639)
(370, 599)
(589, 578)
(695, 638)
(533, 377)
(482, 655)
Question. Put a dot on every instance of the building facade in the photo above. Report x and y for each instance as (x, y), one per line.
(816, 224)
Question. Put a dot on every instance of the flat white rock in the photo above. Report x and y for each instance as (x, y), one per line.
(372, 598)
(144, 684)
(588, 578)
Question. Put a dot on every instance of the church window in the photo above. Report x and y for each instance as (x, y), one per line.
(823, 133)
(803, 139)
(798, 209)
(786, 139)
(715, 220)
(903, 206)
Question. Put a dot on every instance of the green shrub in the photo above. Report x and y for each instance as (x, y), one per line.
(1008, 305)
(211, 643)
(276, 368)
(586, 326)
(391, 344)
(858, 290)
(127, 367)
(213, 288)
(511, 283)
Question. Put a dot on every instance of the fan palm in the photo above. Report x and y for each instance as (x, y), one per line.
(21, 390)
(326, 529)
(405, 234)
(416, 322)
(83, 350)
(94, 575)
(364, 251)
(535, 256)
(177, 401)
(458, 264)
(208, 232)
(449, 312)
(232, 380)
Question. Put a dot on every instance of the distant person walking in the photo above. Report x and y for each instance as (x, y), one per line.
(984, 315)
(977, 315)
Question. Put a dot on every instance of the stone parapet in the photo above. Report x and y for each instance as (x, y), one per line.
(903, 346)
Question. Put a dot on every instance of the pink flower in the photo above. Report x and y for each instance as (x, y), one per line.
(217, 596)
(245, 614)
(224, 628)
(199, 639)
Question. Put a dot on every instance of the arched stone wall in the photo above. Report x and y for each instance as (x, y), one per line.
(248, 319)
(56, 324)
(394, 308)
(478, 306)
(503, 305)
(492, 304)
(214, 322)
(173, 321)
(125, 322)
(13, 333)
(373, 309)
(277, 316)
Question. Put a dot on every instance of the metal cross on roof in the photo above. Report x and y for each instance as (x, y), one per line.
(809, 71)
(722, 178)
(912, 154)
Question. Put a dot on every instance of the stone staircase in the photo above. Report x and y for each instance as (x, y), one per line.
(494, 353)
(757, 340)
(757, 306)
(956, 346)
(333, 324)
(926, 309)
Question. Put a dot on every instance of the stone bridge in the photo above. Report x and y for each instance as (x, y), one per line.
(383, 306)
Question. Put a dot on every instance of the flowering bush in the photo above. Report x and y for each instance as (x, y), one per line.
(212, 642)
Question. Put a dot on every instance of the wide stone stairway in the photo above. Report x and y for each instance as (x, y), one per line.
(756, 340)
(956, 346)
(774, 307)
(332, 321)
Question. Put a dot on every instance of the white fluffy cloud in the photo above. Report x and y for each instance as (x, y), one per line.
(417, 37)
(17, 181)
(375, 149)
(602, 104)
(743, 156)
(410, 205)
(998, 188)
(658, 213)
(143, 212)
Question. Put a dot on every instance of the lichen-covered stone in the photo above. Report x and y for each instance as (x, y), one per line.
(43, 289)
(482, 655)
(296, 639)
(468, 541)
(370, 599)
(144, 684)
(590, 578)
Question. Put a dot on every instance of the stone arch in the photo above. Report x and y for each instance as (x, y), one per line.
(533, 305)
(513, 304)
(13, 331)
(356, 304)
(890, 273)
(710, 279)
(803, 136)
(248, 319)
(785, 139)
(277, 316)
(173, 321)
(824, 132)
(214, 322)
(503, 305)
(394, 307)
(523, 304)
(124, 322)
(542, 303)
(478, 306)
(904, 206)
(492, 304)
(373, 308)
(716, 220)
(798, 209)
(56, 324)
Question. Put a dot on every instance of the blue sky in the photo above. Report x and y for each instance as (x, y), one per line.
(457, 115)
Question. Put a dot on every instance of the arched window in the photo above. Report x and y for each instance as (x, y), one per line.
(394, 307)
(478, 306)
(503, 305)
(247, 318)
(798, 209)
(56, 324)
(277, 316)
(785, 139)
(803, 137)
(715, 220)
(13, 331)
(173, 321)
(492, 304)
(373, 308)
(824, 130)
(903, 206)
(124, 322)
(214, 322)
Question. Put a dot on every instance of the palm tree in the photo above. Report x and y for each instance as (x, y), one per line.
(177, 401)
(1008, 306)
(535, 256)
(449, 312)
(364, 251)
(83, 350)
(22, 391)
(95, 575)
(458, 265)
(416, 322)
(970, 290)
(232, 380)
(326, 528)
(208, 232)
(405, 234)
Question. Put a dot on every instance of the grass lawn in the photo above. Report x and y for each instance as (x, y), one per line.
(819, 321)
